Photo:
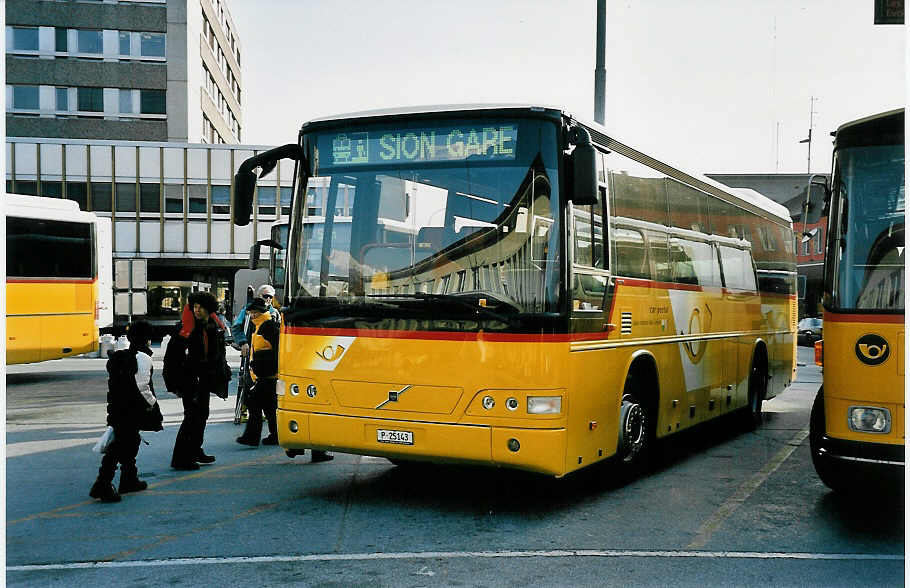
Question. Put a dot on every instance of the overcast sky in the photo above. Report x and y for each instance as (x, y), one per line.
(717, 86)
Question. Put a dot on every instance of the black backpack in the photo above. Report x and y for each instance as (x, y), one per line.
(125, 405)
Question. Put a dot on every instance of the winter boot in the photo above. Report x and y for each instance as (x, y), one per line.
(104, 491)
(129, 480)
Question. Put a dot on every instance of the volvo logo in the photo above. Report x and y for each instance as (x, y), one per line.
(872, 349)
(394, 395)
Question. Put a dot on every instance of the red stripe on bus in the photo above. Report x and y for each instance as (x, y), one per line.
(50, 280)
(864, 318)
(448, 335)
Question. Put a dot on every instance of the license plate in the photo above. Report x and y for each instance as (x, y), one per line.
(399, 437)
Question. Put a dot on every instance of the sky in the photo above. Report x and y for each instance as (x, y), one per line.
(714, 86)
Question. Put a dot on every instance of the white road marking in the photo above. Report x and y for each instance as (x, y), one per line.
(421, 555)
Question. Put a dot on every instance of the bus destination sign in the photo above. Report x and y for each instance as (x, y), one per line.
(451, 143)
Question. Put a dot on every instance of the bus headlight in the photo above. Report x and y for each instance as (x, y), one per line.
(280, 387)
(544, 404)
(869, 419)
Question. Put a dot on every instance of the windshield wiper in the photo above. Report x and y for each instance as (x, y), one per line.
(469, 301)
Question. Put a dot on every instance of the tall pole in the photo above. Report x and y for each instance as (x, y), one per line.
(600, 70)
(812, 100)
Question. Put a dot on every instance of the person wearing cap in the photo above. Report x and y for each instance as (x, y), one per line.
(241, 329)
(263, 371)
(195, 366)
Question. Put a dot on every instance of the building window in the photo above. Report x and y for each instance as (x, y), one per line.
(77, 191)
(63, 99)
(126, 197)
(90, 99)
(25, 38)
(152, 45)
(90, 41)
(819, 245)
(197, 197)
(125, 45)
(101, 196)
(149, 197)
(221, 199)
(61, 44)
(173, 198)
(25, 98)
(285, 200)
(152, 102)
(126, 101)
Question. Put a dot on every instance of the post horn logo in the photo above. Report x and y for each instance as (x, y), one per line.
(872, 349)
(331, 352)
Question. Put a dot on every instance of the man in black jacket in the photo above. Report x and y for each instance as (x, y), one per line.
(263, 371)
(194, 367)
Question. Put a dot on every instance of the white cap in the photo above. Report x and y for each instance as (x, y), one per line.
(265, 289)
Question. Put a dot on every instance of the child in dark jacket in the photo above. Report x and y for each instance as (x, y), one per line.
(131, 407)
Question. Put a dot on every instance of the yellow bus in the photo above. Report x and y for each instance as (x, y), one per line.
(54, 305)
(510, 286)
(857, 422)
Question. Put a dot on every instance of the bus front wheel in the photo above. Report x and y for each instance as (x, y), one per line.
(830, 473)
(635, 438)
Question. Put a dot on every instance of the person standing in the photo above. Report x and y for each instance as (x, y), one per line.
(263, 370)
(195, 366)
(131, 407)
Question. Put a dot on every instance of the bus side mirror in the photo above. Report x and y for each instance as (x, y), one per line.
(816, 199)
(245, 178)
(244, 186)
(254, 251)
(584, 168)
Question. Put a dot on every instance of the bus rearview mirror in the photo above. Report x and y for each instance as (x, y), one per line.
(584, 169)
(816, 196)
(244, 185)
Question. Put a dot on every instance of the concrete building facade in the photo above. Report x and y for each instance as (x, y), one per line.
(158, 70)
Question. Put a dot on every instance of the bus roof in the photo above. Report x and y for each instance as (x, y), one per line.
(21, 205)
(867, 119)
(750, 199)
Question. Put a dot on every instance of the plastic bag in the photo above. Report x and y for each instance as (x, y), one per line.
(105, 441)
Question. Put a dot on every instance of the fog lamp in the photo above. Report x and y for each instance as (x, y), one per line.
(488, 402)
(512, 404)
(869, 419)
(293, 426)
(295, 390)
(544, 404)
(311, 391)
(513, 445)
(280, 387)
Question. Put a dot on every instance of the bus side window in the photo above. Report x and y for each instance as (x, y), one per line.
(630, 257)
(589, 238)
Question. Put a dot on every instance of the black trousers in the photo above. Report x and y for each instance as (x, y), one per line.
(188, 445)
(262, 401)
(123, 450)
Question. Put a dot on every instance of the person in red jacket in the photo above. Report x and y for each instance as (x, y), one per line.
(194, 367)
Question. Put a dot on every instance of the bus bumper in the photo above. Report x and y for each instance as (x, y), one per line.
(536, 450)
(876, 460)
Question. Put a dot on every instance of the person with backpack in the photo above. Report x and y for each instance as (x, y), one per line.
(131, 407)
(195, 366)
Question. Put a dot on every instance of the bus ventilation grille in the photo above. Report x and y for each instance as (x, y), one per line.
(626, 326)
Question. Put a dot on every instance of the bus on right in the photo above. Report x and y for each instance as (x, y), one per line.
(856, 429)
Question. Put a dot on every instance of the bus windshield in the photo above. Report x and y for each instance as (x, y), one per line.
(870, 253)
(430, 218)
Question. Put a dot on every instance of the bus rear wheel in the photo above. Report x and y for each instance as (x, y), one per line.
(758, 387)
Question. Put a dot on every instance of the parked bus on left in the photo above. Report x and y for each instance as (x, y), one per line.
(58, 278)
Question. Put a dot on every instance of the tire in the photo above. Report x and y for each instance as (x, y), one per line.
(758, 387)
(832, 475)
(636, 437)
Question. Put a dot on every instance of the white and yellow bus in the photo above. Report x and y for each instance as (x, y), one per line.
(510, 286)
(857, 422)
(58, 278)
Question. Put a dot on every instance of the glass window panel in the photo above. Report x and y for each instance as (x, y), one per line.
(126, 101)
(267, 194)
(49, 248)
(630, 257)
(52, 189)
(126, 197)
(149, 197)
(61, 43)
(688, 207)
(152, 44)
(152, 102)
(77, 191)
(101, 196)
(90, 99)
(63, 100)
(197, 198)
(89, 41)
(25, 38)
(25, 97)
(124, 43)
(221, 194)
(173, 198)
(636, 191)
(29, 187)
